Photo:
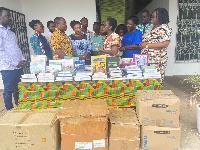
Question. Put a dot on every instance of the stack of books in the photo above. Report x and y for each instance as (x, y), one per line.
(83, 75)
(28, 78)
(150, 72)
(66, 75)
(99, 76)
(115, 73)
(45, 77)
(133, 72)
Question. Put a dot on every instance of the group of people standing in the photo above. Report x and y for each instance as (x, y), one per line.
(151, 37)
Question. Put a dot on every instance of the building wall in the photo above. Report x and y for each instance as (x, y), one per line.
(45, 10)
(12, 4)
(155, 4)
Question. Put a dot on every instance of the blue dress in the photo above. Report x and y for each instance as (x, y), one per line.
(130, 39)
(81, 45)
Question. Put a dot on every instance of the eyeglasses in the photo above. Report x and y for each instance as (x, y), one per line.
(39, 25)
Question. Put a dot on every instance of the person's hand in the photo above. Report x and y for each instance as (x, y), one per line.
(81, 57)
(100, 50)
(121, 48)
(91, 41)
(142, 45)
(21, 64)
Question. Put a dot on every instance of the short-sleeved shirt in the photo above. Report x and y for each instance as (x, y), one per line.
(81, 44)
(130, 39)
(143, 28)
(60, 40)
(113, 39)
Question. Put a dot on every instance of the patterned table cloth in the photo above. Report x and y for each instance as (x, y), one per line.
(118, 93)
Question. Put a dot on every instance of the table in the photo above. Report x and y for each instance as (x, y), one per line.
(118, 93)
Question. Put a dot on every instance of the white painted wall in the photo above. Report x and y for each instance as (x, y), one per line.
(45, 10)
(155, 4)
(13, 5)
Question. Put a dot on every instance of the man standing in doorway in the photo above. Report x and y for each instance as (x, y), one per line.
(60, 43)
(12, 61)
(51, 27)
(96, 27)
(146, 22)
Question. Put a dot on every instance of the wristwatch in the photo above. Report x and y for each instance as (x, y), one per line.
(83, 56)
(147, 46)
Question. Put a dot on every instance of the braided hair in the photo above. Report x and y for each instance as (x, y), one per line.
(33, 23)
(73, 23)
(162, 15)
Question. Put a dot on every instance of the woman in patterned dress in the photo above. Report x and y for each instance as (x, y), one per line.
(156, 40)
(112, 41)
(81, 46)
(38, 42)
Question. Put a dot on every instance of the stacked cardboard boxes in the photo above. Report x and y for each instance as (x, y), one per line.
(158, 113)
(31, 130)
(124, 129)
(83, 124)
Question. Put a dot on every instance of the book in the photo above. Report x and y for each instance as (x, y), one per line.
(28, 76)
(64, 78)
(98, 63)
(55, 65)
(140, 60)
(112, 62)
(83, 73)
(38, 63)
(28, 79)
(132, 68)
(79, 65)
(66, 73)
(67, 63)
(126, 62)
(75, 58)
(97, 41)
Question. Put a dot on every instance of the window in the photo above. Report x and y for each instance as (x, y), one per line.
(188, 34)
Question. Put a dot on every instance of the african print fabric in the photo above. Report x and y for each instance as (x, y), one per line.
(121, 93)
(157, 57)
(59, 40)
(113, 39)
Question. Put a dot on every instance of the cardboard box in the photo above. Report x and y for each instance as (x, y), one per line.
(29, 130)
(160, 138)
(124, 129)
(83, 125)
(158, 109)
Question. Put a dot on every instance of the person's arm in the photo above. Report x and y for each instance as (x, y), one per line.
(134, 46)
(113, 51)
(60, 53)
(158, 45)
